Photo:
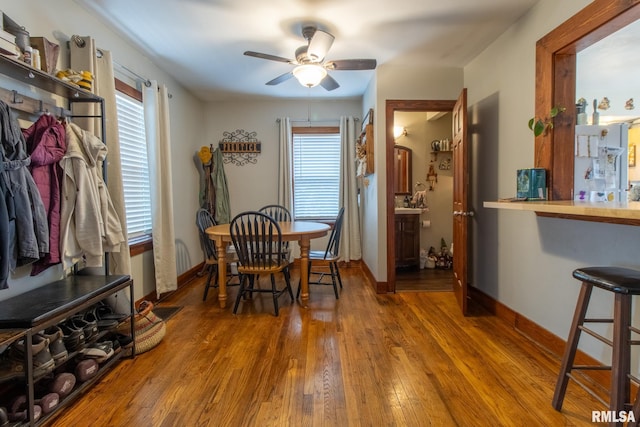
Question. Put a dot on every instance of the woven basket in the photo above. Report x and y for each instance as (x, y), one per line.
(149, 328)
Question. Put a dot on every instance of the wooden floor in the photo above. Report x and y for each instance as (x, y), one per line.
(427, 279)
(408, 359)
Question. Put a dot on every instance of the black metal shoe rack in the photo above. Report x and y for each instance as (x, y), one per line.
(25, 314)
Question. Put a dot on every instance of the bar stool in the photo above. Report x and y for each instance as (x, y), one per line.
(624, 283)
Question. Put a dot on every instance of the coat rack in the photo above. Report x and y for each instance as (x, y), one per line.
(30, 105)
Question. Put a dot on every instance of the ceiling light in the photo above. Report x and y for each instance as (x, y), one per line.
(309, 75)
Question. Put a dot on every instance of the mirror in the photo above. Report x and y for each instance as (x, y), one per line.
(402, 168)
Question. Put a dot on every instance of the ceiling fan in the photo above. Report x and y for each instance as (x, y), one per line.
(310, 69)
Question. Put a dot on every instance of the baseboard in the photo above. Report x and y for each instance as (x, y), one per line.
(542, 337)
(183, 280)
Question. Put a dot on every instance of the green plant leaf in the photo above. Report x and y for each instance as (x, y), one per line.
(533, 119)
(538, 128)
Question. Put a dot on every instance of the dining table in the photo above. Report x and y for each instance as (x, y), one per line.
(300, 231)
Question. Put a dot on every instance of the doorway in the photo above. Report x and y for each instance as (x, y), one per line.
(409, 106)
(423, 235)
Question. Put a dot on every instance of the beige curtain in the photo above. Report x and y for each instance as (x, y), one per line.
(156, 118)
(350, 243)
(86, 57)
(285, 174)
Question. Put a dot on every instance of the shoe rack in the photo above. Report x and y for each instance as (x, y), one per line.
(24, 315)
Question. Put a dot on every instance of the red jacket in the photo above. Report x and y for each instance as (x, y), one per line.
(46, 144)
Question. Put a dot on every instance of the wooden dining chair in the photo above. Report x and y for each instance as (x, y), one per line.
(331, 255)
(280, 214)
(257, 238)
(204, 220)
(277, 212)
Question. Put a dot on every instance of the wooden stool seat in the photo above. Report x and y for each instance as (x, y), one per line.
(613, 279)
(624, 283)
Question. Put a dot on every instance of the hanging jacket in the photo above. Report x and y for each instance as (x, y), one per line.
(46, 144)
(4, 228)
(223, 208)
(89, 224)
(28, 230)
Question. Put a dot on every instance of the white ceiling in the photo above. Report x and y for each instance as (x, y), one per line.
(201, 42)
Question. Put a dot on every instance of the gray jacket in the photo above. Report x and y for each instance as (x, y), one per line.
(28, 230)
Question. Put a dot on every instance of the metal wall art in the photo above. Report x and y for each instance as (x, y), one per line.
(239, 147)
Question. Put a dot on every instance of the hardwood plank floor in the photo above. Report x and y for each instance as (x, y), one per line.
(408, 359)
(416, 280)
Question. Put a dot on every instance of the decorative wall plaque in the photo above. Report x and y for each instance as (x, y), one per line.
(240, 147)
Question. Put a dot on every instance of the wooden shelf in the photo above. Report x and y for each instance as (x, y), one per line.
(32, 76)
(611, 212)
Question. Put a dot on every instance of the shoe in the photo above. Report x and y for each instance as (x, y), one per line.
(104, 324)
(56, 344)
(73, 336)
(10, 367)
(43, 362)
(103, 311)
(100, 351)
(90, 327)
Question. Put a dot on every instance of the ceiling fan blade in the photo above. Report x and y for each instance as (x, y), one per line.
(281, 78)
(319, 45)
(329, 83)
(269, 57)
(351, 64)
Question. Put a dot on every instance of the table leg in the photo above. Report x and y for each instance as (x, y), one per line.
(222, 272)
(305, 244)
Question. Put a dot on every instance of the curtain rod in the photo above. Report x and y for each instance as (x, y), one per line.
(81, 43)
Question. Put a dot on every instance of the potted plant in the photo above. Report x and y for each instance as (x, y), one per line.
(541, 126)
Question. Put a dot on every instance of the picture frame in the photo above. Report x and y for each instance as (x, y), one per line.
(632, 155)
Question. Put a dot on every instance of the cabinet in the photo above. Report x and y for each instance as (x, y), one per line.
(407, 228)
(23, 316)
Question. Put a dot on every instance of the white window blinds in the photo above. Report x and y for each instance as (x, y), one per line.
(135, 169)
(316, 175)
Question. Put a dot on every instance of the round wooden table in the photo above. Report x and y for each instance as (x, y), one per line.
(300, 231)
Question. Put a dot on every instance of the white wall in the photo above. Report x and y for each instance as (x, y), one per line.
(252, 186)
(396, 81)
(522, 260)
(57, 21)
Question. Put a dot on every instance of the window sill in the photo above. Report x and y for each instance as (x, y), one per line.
(141, 244)
(610, 212)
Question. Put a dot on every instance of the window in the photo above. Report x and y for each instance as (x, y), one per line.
(135, 169)
(316, 172)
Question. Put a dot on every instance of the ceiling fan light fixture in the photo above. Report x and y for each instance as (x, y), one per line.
(309, 75)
